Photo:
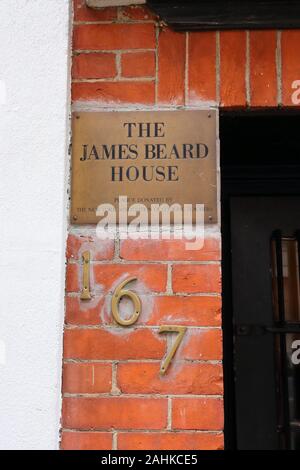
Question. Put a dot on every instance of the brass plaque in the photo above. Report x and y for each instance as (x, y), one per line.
(160, 157)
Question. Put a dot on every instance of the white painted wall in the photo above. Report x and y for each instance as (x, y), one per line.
(34, 36)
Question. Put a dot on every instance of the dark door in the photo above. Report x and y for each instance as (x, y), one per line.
(266, 321)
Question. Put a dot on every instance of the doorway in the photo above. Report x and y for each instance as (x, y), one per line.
(260, 168)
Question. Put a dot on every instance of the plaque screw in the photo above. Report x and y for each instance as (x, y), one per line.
(209, 115)
(74, 217)
(210, 217)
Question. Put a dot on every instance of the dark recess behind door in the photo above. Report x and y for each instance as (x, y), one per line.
(260, 155)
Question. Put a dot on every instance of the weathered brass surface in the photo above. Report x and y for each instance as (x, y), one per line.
(85, 293)
(171, 329)
(112, 3)
(117, 295)
(150, 157)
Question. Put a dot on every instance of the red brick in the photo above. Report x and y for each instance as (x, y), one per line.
(201, 344)
(202, 67)
(113, 344)
(99, 249)
(119, 413)
(180, 310)
(197, 278)
(170, 441)
(94, 66)
(182, 378)
(114, 37)
(290, 64)
(138, 64)
(170, 250)
(171, 67)
(72, 278)
(135, 92)
(263, 76)
(74, 245)
(108, 276)
(158, 310)
(197, 413)
(86, 440)
(81, 312)
(136, 13)
(233, 68)
(87, 378)
(83, 13)
(152, 277)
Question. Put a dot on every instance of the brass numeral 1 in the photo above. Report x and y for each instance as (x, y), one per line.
(85, 293)
(117, 295)
(171, 329)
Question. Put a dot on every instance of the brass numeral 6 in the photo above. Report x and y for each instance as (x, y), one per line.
(117, 295)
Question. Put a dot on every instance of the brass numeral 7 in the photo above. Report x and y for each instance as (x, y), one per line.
(171, 329)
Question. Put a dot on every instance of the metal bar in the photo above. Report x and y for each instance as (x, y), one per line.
(283, 330)
(279, 266)
(281, 307)
(297, 237)
(189, 15)
(250, 330)
(295, 424)
(112, 3)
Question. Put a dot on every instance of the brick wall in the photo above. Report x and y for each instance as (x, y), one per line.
(123, 56)
(113, 395)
